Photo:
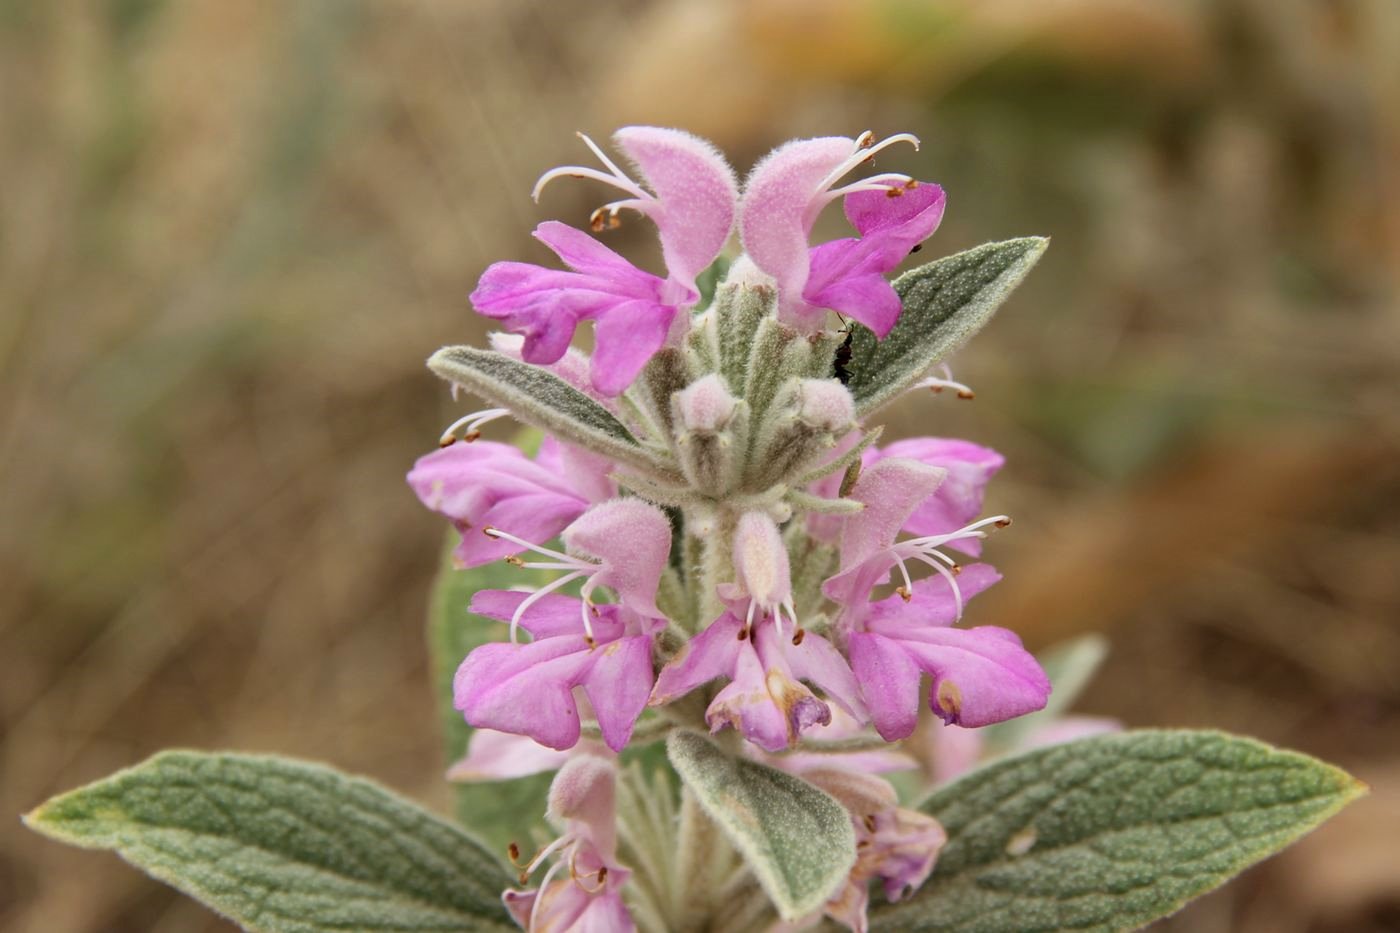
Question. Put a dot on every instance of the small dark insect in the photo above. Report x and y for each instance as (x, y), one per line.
(843, 352)
(843, 358)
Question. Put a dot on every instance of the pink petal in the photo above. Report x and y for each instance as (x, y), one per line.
(889, 681)
(980, 675)
(959, 500)
(632, 541)
(781, 203)
(696, 191)
(817, 662)
(891, 227)
(931, 604)
(501, 756)
(524, 689)
(868, 299)
(550, 616)
(890, 490)
(626, 337)
(710, 655)
(587, 255)
(768, 706)
(618, 685)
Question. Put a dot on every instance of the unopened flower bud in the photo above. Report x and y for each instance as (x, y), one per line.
(804, 422)
(704, 405)
(826, 405)
(711, 434)
(761, 561)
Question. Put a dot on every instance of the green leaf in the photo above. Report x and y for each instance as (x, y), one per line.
(1112, 832)
(501, 812)
(797, 839)
(1070, 666)
(945, 303)
(538, 397)
(285, 846)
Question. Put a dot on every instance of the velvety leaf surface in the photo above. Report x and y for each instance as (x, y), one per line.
(945, 302)
(541, 399)
(1111, 832)
(285, 846)
(796, 838)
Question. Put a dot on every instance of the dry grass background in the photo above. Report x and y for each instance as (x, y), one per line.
(230, 232)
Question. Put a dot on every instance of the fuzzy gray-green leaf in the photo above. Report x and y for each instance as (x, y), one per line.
(1112, 832)
(945, 302)
(796, 838)
(540, 398)
(285, 846)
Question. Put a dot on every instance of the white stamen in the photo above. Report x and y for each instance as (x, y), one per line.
(472, 422)
(539, 894)
(577, 567)
(546, 852)
(925, 550)
(535, 597)
(863, 151)
(946, 382)
(614, 176)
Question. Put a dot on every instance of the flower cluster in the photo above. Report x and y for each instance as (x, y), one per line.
(758, 576)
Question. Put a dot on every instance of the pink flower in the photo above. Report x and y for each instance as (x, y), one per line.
(980, 675)
(958, 499)
(527, 689)
(622, 544)
(891, 212)
(501, 756)
(891, 490)
(897, 846)
(691, 201)
(582, 800)
(484, 484)
(765, 698)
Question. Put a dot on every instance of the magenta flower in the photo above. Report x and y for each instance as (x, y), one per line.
(622, 544)
(765, 699)
(980, 675)
(891, 212)
(501, 756)
(527, 689)
(897, 846)
(958, 499)
(891, 490)
(482, 484)
(582, 800)
(691, 201)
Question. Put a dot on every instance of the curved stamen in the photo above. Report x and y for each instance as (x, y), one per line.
(473, 423)
(540, 856)
(614, 176)
(539, 895)
(863, 150)
(601, 874)
(925, 550)
(577, 567)
(535, 597)
(938, 384)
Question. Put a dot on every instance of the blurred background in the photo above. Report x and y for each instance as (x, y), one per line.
(231, 232)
